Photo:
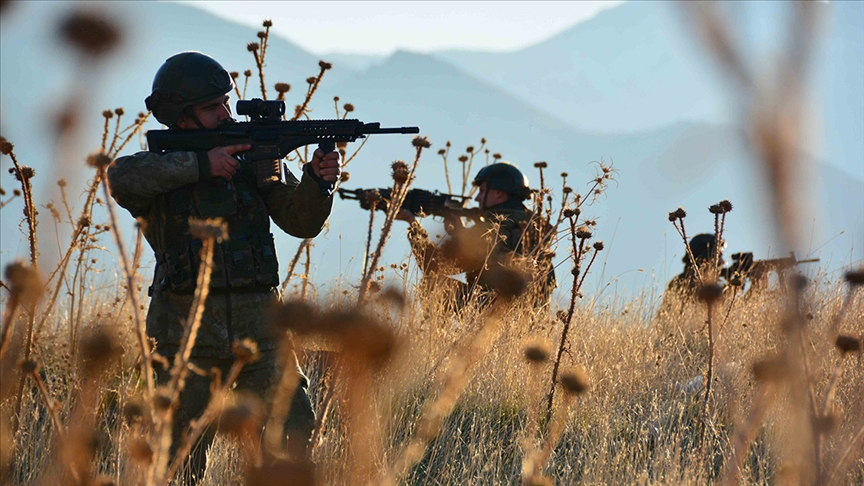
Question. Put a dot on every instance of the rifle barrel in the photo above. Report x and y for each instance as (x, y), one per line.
(395, 130)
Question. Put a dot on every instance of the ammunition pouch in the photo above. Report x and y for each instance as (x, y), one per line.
(244, 263)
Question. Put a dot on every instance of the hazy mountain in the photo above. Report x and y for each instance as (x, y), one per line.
(675, 164)
(638, 66)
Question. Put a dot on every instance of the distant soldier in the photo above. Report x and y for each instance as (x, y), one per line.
(190, 91)
(503, 233)
(703, 248)
(682, 289)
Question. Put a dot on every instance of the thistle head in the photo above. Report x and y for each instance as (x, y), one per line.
(400, 172)
(421, 142)
(92, 34)
(537, 351)
(98, 160)
(848, 344)
(574, 381)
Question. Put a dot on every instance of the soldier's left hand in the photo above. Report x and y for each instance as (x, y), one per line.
(327, 166)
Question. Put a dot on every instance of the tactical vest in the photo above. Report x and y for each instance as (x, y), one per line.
(245, 262)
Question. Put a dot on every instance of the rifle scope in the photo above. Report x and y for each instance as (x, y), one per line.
(257, 108)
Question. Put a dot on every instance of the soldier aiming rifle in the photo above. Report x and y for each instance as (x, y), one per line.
(501, 231)
(418, 202)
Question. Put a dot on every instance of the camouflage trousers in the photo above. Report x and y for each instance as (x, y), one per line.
(256, 378)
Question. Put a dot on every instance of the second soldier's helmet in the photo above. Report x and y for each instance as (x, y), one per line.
(184, 80)
(703, 246)
(506, 177)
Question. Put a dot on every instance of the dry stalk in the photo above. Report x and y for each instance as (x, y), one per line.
(200, 425)
(293, 265)
(455, 378)
(313, 82)
(131, 283)
(280, 404)
(209, 231)
(746, 432)
(579, 252)
(400, 190)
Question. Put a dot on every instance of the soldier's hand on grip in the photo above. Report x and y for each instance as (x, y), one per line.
(222, 161)
(327, 166)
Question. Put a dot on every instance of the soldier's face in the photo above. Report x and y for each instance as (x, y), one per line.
(211, 114)
(487, 198)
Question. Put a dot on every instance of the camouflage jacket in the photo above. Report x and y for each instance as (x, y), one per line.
(163, 192)
(494, 241)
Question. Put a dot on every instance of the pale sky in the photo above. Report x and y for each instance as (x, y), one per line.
(382, 27)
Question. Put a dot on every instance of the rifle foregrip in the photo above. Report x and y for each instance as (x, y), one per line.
(326, 187)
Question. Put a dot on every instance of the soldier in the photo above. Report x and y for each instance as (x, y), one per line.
(190, 91)
(681, 290)
(499, 236)
(703, 248)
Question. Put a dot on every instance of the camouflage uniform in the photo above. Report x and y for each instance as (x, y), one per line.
(163, 192)
(494, 241)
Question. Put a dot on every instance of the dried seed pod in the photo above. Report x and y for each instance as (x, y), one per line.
(848, 344)
(537, 351)
(99, 348)
(541, 165)
(98, 160)
(574, 381)
(29, 366)
(855, 278)
(709, 292)
(421, 142)
(400, 172)
(725, 205)
(252, 47)
(91, 33)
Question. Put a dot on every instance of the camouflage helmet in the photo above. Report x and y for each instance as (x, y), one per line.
(184, 80)
(506, 177)
(703, 247)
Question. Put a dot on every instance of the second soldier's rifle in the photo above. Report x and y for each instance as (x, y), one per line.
(745, 267)
(418, 202)
(271, 137)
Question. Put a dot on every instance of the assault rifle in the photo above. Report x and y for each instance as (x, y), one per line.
(271, 138)
(418, 202)
(744, 266)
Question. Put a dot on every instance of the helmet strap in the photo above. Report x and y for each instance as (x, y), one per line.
(190, 113)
